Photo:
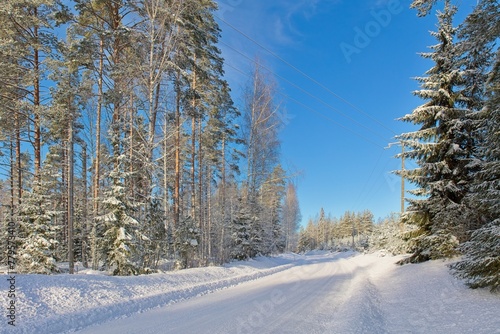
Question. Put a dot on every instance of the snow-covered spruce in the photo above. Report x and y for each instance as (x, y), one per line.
(480, 266)
(187, 239)
(443, 148)
(37, 233)
(120, 228)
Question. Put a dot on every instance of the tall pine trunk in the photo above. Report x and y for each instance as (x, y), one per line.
(193, 148)
(177, 181)
(18, 161)
(36, 99)
(97, 163)
(70, 193)
(84, 227)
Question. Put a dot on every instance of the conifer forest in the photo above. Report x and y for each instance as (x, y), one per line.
(121, 145)
(122, 149)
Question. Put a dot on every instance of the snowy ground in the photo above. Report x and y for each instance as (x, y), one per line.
(315, 293)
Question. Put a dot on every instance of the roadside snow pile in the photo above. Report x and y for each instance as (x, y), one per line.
(54, 304)
(428, 299)
(340, 293)
(319, 292)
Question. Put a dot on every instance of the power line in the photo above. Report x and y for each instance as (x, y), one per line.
(313, 110)
(363, 194)
(306, 75)
(306, 92)
(330, 119)
(367, 193)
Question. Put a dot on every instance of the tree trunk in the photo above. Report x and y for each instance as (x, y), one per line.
(64, 195)
(36, 100)
(222, 203)
(12, 177)
(193, 166)
(117, 81)
(209, 216)
(70, 195)
(18, 161)
(97, 164)
(165, 167)
(132, 180)
(84, 213)
(177, 152)
(193, 150)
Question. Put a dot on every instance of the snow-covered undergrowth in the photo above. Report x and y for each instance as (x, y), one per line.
(58, 303)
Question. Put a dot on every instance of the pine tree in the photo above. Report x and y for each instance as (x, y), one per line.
(63, 127)
(26, 43)
(443, 149)
(13, 122)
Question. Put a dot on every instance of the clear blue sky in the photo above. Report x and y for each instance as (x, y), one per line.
(366, 52)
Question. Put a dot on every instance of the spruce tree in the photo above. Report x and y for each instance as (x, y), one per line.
(241, 248)
(273, 192)
(187, 240)
(38, 232)
(120, 228)
(480, 266)
(154, 235)
(305, 242)
(424, 7)
(443, 149)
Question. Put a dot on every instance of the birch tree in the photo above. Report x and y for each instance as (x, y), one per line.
(291, 217)
(262, 122)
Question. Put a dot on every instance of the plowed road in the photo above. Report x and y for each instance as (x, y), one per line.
(323, 294)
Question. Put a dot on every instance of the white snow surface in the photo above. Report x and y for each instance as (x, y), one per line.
(318, 292)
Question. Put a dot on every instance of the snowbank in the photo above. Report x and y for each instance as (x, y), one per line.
(338, 293)
(61, 303)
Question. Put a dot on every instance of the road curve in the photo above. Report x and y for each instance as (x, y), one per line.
(315, 296)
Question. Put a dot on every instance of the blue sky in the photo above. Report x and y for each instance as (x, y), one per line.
(364, 55)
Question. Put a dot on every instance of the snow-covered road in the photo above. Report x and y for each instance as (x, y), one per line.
(304, 299)
(314, 293)
(327, 294)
